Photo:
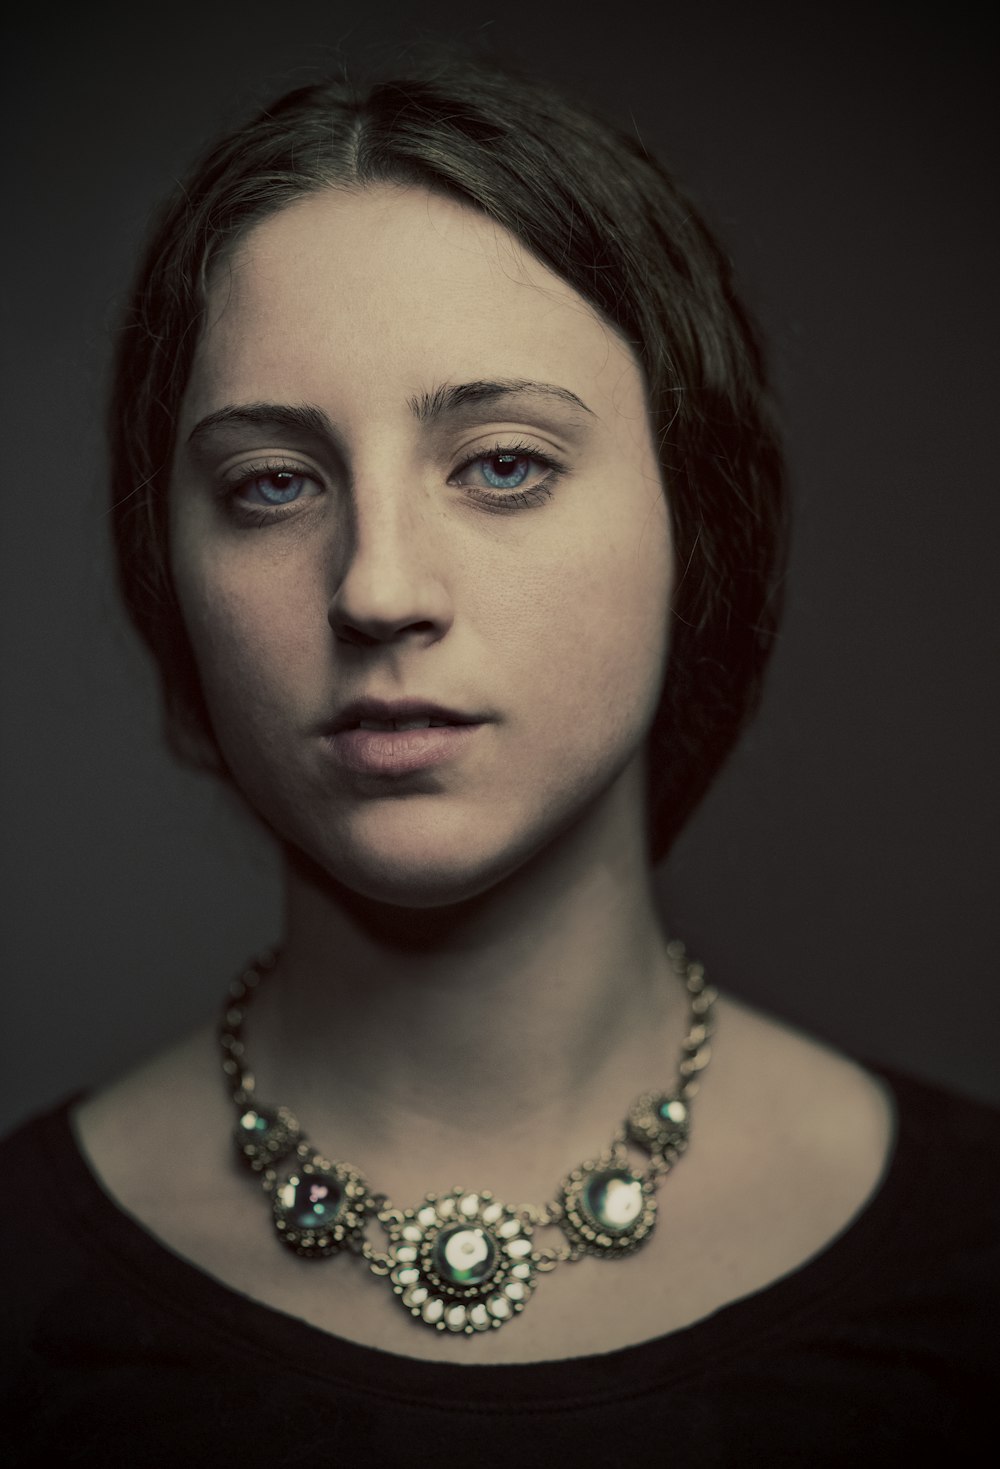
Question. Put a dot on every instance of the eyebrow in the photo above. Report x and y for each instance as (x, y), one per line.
(449, 398)
(427, 408)
(304, 417)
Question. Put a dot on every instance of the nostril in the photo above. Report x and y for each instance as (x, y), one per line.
(354, 636)
(372, 631)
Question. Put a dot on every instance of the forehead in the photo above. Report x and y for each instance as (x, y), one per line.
(373, 294)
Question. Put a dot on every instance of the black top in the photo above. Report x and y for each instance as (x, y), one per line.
(881, 1347)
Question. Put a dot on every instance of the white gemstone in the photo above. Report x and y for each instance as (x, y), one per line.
(406, 1253)
(613, 1198)
(624, 1203)
(433, 1310)
(445, 1208)
(522, 1271)
(675, 1112)
(463, 1255)
(499, 1307)
(509, 1228)
(414, 1233)
(455, 1318)
(469, 1206)
(406, 1275)
(514, 1290)
(479, 1317)
(519, 1247)
(427, 1216)
(415, 1296)
(492, 1213)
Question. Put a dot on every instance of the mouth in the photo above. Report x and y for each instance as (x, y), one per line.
(427, 723)
(399, 714)
(381, 738)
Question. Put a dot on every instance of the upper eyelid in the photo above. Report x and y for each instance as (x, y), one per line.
(237, 474)
(520, 451)
(284, 461)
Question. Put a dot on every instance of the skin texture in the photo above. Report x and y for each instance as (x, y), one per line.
(392, 577)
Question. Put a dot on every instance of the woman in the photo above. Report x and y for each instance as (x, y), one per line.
(447, 498)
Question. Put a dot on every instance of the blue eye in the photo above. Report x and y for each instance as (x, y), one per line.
(505, 471)
(508, 475)
(275, 487)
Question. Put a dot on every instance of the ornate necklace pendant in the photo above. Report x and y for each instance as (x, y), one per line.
(659, 1122)
(608, 1208)
(321, 1208)
(462, 1262)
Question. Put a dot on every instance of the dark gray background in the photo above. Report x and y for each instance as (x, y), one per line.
(842, 872)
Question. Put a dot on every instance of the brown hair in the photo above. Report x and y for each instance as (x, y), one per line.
(589, 202)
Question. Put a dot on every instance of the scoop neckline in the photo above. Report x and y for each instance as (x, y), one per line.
(237, 1321)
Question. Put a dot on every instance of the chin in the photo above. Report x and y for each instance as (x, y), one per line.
(436, 861)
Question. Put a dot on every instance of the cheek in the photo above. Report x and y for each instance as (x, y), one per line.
(249, 637)
(594, 624)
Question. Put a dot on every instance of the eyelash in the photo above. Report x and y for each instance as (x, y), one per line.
(256, 516)
(505, 501)
(500, 501)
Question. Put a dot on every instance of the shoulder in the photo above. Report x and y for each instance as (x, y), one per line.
(811, 1141)
(151, 1123)
(791, 1105)
(945, 1176)
(45, 1229)
(79, 1175)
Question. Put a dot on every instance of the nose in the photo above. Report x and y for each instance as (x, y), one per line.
(390, 584)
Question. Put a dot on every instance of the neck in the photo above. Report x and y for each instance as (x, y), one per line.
(524, 1019)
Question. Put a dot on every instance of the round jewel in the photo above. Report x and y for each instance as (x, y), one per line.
(464, 1254)
(312, 1201)
(612, 1199)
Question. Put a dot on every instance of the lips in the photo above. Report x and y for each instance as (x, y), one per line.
(396, 713)
(398, 737)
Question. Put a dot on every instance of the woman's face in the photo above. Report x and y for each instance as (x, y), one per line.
(414, 480)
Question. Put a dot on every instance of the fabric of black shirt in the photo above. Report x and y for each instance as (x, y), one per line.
(882, 1349)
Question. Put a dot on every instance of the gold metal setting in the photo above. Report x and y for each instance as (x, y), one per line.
(659, 1122)
(320, 1180)
(501, 1241)
(465, 1262)
(584, 1228)
(264, 1136)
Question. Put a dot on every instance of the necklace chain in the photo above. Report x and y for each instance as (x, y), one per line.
(464, 1261)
